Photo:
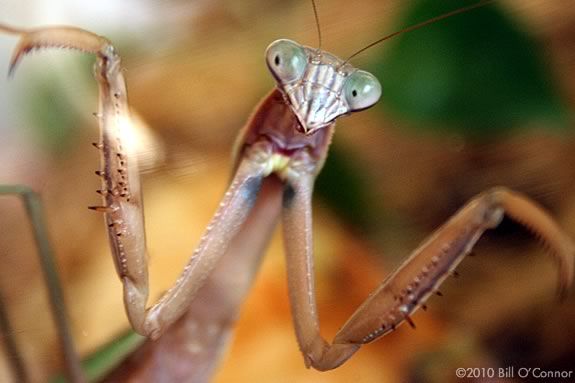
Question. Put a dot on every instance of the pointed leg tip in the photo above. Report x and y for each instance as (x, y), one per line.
(21, 49)
(410, 321)
(12, 68)
(19, 52)
(100, 209)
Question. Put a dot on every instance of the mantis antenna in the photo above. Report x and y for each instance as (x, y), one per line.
(419, 25)
(316, 15)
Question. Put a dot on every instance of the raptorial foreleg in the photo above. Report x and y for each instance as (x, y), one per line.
(407, 289)
(121, 194)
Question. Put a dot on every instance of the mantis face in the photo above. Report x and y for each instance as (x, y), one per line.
(318, 86)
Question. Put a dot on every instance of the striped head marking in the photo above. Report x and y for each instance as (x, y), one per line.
(318, 86)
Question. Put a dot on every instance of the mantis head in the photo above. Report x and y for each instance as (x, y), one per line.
(318, 86)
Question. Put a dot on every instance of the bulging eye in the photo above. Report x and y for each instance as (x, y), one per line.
(287, 60)
(361, 90)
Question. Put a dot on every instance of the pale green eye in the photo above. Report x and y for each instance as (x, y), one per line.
(287, 60)
(361, 90)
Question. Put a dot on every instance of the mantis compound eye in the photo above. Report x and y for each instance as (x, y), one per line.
(287, 60)
(361, 90)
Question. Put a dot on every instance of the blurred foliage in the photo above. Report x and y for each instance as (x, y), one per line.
(477, 73)
(53, 117)
(342, 186)
(50, 103)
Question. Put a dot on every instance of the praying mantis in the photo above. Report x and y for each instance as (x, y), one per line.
(278, 155)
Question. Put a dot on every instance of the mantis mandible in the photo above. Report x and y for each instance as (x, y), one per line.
(278, 155)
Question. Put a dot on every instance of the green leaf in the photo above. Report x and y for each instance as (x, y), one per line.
(478, 72)
(108, 357)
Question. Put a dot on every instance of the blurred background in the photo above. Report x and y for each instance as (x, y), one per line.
(479, 100)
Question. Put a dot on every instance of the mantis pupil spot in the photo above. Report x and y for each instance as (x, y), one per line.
(354, 93)
(277, 60)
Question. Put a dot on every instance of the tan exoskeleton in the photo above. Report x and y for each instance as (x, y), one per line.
(278, 156)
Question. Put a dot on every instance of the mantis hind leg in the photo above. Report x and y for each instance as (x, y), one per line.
(13, 354)
(34, 211)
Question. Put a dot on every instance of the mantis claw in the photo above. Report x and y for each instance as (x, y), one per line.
(55, 37)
